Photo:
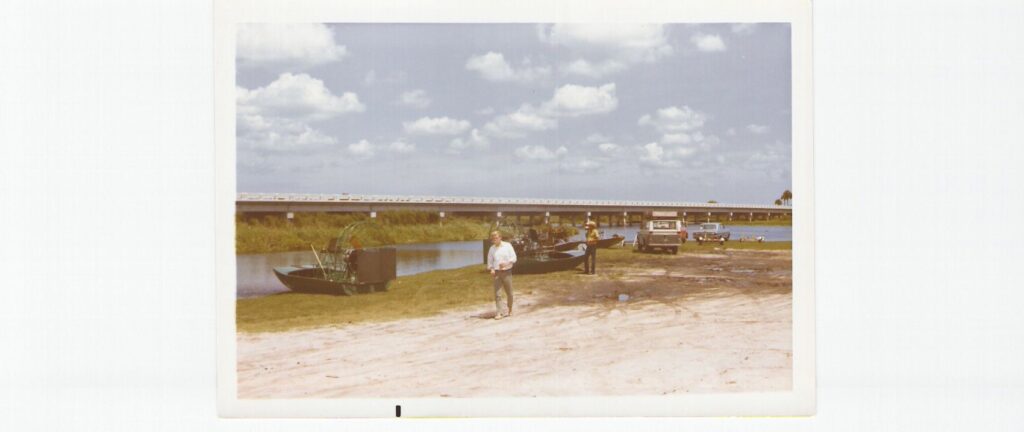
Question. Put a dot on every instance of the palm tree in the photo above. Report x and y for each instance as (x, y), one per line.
(787, 196)
(778, 202)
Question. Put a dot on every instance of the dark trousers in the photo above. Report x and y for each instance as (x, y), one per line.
(590, 259)
(502, 280)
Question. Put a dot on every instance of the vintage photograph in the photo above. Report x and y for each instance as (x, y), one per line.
(463, 211)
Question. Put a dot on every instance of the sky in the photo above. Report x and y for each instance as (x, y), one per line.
(667, 112)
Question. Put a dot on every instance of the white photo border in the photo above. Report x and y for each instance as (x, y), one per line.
(800, 401)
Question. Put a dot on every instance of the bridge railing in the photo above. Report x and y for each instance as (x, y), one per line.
(414, 199)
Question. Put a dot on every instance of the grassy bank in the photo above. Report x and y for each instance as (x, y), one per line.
(426, 293)
(274, 234)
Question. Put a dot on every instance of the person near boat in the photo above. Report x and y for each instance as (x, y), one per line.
(500, 259)
(590, 257)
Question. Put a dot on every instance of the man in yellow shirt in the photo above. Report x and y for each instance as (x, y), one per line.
(590, 259)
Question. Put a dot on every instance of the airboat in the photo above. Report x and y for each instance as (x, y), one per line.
(604, 243)
(533, 256)
(343, 267)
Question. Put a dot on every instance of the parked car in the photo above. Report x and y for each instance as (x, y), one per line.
(711, 232)
(662, 230)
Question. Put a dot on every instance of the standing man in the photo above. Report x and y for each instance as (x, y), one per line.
(590, 259)
(500, 259)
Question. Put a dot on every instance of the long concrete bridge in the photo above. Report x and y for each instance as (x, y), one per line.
(447, 206)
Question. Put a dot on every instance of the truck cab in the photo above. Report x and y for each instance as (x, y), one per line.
(711, 232)
(660, 230)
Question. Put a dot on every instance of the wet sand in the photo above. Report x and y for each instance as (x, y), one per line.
(708, 322)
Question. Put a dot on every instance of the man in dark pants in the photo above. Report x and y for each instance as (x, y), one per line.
(590, 259)
(500, 259)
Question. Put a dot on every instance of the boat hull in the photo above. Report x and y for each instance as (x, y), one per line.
(601, 244)
(548, 262)
(310, 280)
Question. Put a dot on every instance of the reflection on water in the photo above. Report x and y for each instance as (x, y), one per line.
(256, 276)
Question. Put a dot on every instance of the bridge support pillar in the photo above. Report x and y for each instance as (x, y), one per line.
(440, 218)
(730, 216)
(290, 216)
(547, 217)
(373, 215)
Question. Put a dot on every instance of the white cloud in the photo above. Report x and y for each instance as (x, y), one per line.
(673, 120)
(657, 155)
(596, 138)
(296, 97)
(572, 100)
(436, 126)
(581, 165)
(609, 148)
(402, 147)
(362, 149)
(744, 28)
(677, 138)
(396, 77)
(731, 132)
(493, 67)
(283, 137)
(683, 152)
(757, 129)
(617, 46)
(654, 154)
(278, 116)
(517, 124)
(301, 45)
(568, 101)
(538, 152)
(592, 70)
(476, 140)
(708, 42)
(625, 42)
(414, 99)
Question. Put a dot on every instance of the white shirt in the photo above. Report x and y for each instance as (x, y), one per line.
(501, 257)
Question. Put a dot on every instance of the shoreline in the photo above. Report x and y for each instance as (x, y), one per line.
(712, 320)
(255, 239)
(434, 292)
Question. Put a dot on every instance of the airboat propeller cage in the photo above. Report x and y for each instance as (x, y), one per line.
(345, 254)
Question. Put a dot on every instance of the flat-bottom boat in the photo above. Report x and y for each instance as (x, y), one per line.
(546, 262)
(311, 280)
(601, 244)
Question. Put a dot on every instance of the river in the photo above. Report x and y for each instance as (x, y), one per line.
(256, 278)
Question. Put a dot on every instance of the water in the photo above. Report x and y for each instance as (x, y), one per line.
(770, 233)
(256, 276)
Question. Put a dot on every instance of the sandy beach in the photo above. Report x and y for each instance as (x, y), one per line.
(697, 322)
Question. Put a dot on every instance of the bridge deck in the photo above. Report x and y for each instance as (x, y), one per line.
(295, 202)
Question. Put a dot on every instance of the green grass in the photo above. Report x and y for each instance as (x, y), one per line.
(261, 237)
(421, 295)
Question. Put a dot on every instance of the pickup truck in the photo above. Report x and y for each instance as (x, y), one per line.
(711, 232)
(665, 234)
